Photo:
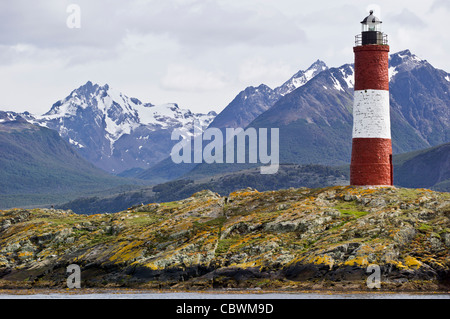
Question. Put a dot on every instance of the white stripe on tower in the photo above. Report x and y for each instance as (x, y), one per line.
(371, 116)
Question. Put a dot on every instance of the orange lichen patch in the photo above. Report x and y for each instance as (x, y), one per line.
(433, 261)
(127, 252)
(243, 193)
(300, 258)
(24, 255)
(358, 261)
(379, 248)
(210, 246)
(366, 249)
(412, 262)
(393, 232)
(245, 240)
(152, 266)
(398, 264)
(349, 190)
(95, 216)
(322, 260)
(249, 264)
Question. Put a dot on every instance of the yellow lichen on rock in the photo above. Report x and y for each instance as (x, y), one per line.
(357, 261)
(412, 262)
(270, 234)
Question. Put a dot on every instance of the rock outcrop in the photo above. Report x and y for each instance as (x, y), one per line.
(289, 239)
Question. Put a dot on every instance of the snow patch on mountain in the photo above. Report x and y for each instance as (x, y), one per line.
(337, 85)
(349, 77)
(405, 60)
(301, 78)
(117, 132)
(392, 72)
(117, 113)
(9, 116)
(75, 143)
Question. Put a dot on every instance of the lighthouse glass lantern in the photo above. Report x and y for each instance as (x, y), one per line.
(371, 31)
(371, 23)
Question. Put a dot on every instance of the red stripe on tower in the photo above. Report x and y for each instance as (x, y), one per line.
(371, 162)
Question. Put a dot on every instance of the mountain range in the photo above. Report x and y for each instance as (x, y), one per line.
(313, 111)
(253, 101)
(116, 132)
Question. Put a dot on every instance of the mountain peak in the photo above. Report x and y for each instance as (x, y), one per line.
(406, 52)
(87, 88)
(302, 77)
(93, 118)
(405, 57)
(319, 64)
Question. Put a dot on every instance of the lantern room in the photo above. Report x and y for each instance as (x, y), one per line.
(371, 23)
(371, 31)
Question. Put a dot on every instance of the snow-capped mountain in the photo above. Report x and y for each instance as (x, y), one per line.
(315, 117)
(7, 116)
(116, 132)
(313, 110)
(253, 101)
(403, 61)
(301, 78)
(319, 113)
(420, 93)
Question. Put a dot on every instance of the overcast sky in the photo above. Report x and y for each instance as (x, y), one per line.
(197, 53)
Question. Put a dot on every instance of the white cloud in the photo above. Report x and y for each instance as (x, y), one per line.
(209, 23)
(407, 18)
(187, 78)
(440, 4)
(274, 73)
(197, 53)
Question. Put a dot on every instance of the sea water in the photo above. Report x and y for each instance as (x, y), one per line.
(187, 296)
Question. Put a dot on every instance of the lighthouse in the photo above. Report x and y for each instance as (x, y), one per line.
(371, 162)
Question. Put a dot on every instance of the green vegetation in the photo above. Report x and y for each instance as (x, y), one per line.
(425, 227)
(351, 208)
(223, 184)
(355, 213)
(145, 219)
(224, 245)
(37, 167)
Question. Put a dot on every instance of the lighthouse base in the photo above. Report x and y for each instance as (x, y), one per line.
(371, 162)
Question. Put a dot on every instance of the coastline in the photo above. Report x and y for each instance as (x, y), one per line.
(337, 239)
(222, 293)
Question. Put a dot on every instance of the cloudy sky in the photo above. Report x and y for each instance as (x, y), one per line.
(197, 53)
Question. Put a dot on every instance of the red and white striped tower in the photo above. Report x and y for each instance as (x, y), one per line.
(371, 163)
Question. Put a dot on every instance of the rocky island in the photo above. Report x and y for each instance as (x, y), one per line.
(287, 240)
